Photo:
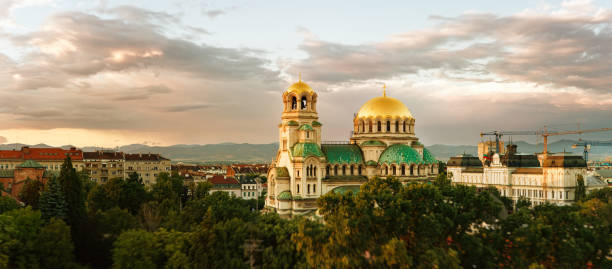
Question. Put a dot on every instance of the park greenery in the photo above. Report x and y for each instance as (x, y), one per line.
(71, 223)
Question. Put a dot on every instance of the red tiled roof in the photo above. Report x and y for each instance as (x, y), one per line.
(27, 153)
(220, 179)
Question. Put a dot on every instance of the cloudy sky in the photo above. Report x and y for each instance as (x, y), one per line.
(109, 73)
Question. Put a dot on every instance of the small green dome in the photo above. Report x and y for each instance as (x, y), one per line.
(30, 164)
(428, 158)
(400, 153)
(306, 127)
(293, 123)
(285, 195)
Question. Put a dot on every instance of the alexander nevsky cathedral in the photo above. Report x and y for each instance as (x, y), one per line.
(383, 144)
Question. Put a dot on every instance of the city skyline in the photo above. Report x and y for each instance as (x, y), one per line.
(197, 72)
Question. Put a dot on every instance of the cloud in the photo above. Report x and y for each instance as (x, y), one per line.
(186, 107)
(123, 71)
(141, 93)
(3, 140)
(567, 48)
(80, 45)
(213, 13)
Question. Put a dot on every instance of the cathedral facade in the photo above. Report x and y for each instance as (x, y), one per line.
(383, 143)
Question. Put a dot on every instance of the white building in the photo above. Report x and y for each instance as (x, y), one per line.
(550, 178)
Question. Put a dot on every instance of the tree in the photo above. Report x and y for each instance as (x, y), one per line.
(52, 201)
(18, 236)
(103, 228)
(142, 249)
(580, 188)
(7, 204)
(54, 245)
(133, 194)
(27, 242)
(72, 187)
(30, 193)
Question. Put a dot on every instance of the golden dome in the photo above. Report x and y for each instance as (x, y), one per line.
(300, 88)
(383, 107)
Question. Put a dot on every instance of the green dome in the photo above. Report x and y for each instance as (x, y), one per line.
(428, 158)
(293, 123)
(285, 195)
(305, 127)
(30, 164)
(306, 150)
(400, 153)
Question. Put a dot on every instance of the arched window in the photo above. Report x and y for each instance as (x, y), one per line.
(352, 170)
(388, 126)
(336, 170)
(363, 127)
(370, 125)
(308, 189)
(314, 171)
(397, 126)
(404, 123)
(327, 170)
(412, 170)
(359, 170)
(403, 170)
(303, 105)
(343, 170)
(293, 103)
(386, 170)
(379, 126)
(394, 170)
(307, 134)
(298, 188)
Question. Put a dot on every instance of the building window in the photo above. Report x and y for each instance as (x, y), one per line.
(359, 170)
(314, 188)
(308, 189)
(298, 188)
(327, 170)
(343, 170)
(404, 124)
(397, 126)
(388, 126)
(403, 170)
(303, 103)
(370, 126)
(394, 170)
(336, 170)
(352, 169)
(293, 103)
(379, 126)
(386, 170)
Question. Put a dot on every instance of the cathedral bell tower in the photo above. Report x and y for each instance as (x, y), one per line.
(299, 112)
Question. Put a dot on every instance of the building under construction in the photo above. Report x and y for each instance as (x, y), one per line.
(542, 178)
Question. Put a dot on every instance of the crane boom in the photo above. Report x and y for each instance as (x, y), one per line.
(587, 146)
(544, 133)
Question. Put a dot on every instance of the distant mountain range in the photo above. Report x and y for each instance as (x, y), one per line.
(264, 153)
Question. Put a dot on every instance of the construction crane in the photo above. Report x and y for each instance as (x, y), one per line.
(498, 135)
(544, 133)
(587, 146)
